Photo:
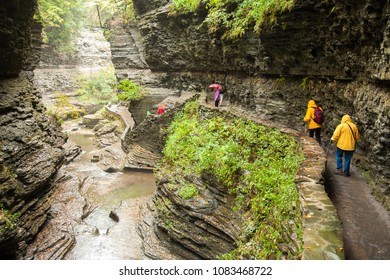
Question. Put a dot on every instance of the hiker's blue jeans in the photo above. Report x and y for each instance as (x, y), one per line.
(347, 159)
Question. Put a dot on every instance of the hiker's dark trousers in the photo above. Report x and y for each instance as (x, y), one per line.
(317, 133)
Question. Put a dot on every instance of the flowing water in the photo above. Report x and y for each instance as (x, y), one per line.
(99, 236)
(79, 226)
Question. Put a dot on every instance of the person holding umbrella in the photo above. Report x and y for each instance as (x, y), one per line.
(217, 90)
(222, 90)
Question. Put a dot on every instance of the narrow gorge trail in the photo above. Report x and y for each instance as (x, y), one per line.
(80, 226)
(365, 222)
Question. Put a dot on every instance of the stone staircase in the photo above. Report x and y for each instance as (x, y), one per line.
(126, 52)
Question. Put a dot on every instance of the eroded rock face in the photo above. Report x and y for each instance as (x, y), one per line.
(15, 29)
(203, 227)
(350, 41)
(31, 143)
(31, 152)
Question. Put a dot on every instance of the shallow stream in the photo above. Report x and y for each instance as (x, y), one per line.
(99, 236)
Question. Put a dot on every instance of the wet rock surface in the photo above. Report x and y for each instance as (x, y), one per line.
(94, 203)
(31, 153)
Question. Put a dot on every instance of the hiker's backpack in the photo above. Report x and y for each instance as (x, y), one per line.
(318, 115)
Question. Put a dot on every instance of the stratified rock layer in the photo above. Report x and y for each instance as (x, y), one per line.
(31, 143)
(31, 153)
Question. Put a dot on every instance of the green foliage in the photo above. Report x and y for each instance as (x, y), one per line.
(188, 191)
(304, 83)
(184, 5)
(257, 164)
(98, 87)
(235, 17)
(100, 11)
(63, 109)
(126, 9)
(8, 220)
(129, 91)
(62, 20)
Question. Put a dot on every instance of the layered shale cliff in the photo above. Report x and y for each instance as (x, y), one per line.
(337, 53)
(31, 144)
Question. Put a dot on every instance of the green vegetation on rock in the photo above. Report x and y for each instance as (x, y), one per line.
(257, 164)
(129, 91)
(63, 110)
(235, 17)
(8, 220)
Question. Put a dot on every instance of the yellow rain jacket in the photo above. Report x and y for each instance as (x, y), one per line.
(309, 117)
(346, 134)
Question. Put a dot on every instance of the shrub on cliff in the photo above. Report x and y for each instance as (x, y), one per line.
(98, 87)
(129, 91)
(236, 16)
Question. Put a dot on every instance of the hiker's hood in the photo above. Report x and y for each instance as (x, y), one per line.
(311, 104)
(345, 118)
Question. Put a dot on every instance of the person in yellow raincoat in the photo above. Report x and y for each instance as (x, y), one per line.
(314, 128)
(346, 134)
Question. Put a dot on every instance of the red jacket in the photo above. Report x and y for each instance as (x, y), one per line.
(160, 110)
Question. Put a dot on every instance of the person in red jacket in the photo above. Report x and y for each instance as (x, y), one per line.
(160, 110)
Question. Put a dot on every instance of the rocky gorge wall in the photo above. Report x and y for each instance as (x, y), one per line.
(31, 143)
(15, 32)
(347, 65)
(337, 54)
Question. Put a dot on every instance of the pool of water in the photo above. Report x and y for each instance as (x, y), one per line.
(83, 139)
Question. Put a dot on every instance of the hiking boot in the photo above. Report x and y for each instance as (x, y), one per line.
(339, 172)
(347, 174)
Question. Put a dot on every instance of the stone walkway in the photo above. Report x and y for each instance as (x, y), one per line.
(365, 222)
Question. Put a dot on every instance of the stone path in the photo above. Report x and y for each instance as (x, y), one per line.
(365, 222)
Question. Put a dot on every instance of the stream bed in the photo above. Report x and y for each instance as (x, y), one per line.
(80, 227)
(120, 192)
